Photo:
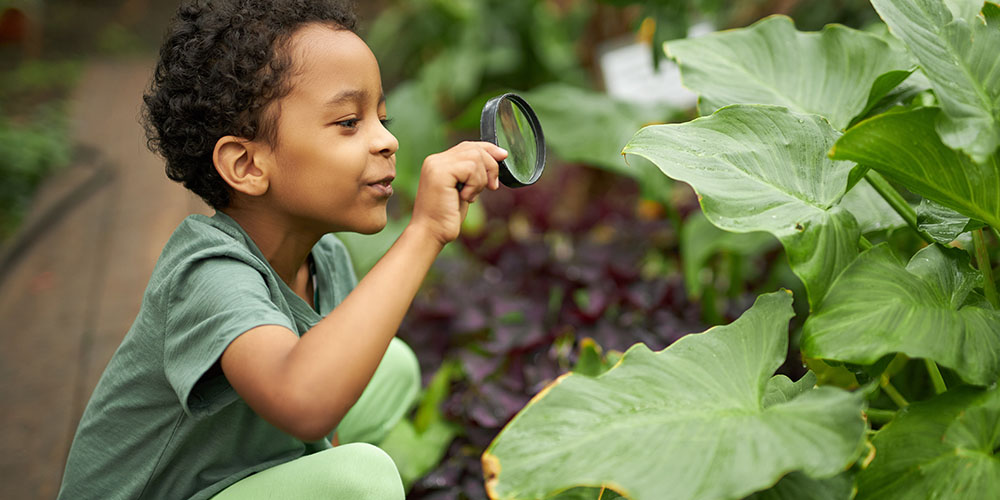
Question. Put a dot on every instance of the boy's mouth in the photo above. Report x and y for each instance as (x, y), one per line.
(383, 187)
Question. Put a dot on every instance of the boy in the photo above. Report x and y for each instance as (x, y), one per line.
(231, 382)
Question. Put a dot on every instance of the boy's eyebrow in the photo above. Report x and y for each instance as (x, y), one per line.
(353, 95)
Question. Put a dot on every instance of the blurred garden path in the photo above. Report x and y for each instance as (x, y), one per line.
(72, 282)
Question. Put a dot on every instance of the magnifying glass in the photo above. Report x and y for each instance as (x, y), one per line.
(510, 123)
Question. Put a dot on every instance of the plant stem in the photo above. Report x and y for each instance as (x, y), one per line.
(880, 416)
(896, 201)
(893, 394)
(864, 243)
(985, 267)
(936, 378)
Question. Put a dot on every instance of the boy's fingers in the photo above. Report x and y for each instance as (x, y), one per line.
(473, 179)
(497, 152)
(493, 150)
(492, 171)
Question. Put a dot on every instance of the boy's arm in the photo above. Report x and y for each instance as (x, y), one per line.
(306, 385)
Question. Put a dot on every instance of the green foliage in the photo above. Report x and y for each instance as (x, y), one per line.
(798, 485)
(942, 448)
(784, 184)
(704, 418)
(700, 240)
(772, 157)
(958, 55)
(458, 47)
(927, 309)
(592, 361)
(27, 154)
(417, 445)
(33, 132)
(942, 223)
(834, 70)
(905, 147)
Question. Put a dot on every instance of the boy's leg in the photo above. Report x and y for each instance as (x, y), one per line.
(390, 394)
(356, 471)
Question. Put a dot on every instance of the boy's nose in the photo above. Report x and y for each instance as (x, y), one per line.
(385, 143)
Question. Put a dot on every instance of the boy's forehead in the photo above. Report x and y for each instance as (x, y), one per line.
(335, 60)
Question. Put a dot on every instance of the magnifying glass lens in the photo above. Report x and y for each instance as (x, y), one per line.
(515, 134)
(509, 122)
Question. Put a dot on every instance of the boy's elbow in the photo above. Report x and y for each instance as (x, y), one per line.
(308, 420)
(309, 433)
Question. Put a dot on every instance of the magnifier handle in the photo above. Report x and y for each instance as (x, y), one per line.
(459, 185)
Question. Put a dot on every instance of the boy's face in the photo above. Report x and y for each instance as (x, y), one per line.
(334, 159)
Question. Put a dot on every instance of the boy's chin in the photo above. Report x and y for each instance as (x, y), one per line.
(373, 227)
(371, 231)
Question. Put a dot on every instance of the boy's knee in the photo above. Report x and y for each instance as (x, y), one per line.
(404, 364)
(390, 394)
(372, 474)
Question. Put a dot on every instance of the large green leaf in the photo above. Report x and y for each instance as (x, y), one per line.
(764, 168)
(702, 419)
(927, 309)
(943, 448)
(830, 73)
(959, 56)
(904, 147)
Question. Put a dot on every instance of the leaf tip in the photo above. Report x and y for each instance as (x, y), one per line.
(590, 343)
(491, 473)
(624, 154)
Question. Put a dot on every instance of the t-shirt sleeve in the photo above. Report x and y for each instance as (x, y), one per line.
(211, 302)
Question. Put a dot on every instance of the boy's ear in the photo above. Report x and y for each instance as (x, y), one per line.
(242, 164)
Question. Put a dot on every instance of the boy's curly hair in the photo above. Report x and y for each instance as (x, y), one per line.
(221, 64)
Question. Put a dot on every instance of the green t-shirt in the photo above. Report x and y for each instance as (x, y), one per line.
(163, 421)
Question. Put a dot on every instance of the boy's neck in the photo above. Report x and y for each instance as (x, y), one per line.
(284, 247)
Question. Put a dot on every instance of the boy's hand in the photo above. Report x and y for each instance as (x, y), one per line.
(440, 208)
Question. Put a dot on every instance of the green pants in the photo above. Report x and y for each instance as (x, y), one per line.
(356, 469)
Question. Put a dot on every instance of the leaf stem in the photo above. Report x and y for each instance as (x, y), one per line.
(864, 243)
(936, 378)
(896, 201)
(880, 416)
(893, 394)
(985, 267)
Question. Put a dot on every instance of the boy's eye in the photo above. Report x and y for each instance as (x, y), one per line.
(349, 123)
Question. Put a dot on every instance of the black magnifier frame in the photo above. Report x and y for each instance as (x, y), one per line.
(488, 132)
